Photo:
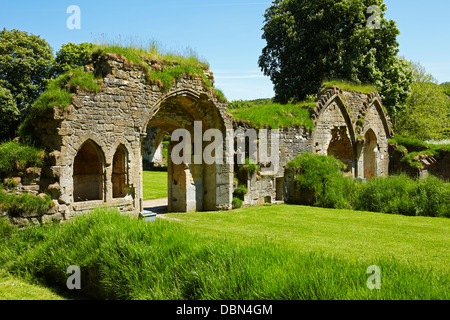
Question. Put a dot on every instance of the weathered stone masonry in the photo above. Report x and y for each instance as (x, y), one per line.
(95, 145)
(351, 126)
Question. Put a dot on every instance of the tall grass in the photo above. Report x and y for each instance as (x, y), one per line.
(275, 115)
(395, 194)
(137, 50)
(349, 86)
(125, 258)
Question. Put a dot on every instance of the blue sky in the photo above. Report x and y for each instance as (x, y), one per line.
(225, 33)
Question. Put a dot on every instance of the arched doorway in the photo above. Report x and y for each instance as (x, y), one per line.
(190, 186)
(370, 154)
(341, 147)
(119, 173)
(88, 173)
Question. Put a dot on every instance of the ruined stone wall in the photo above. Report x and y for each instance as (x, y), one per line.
(118, 116)
(352, 126)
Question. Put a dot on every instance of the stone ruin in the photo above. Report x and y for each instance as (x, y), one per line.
(98, 144)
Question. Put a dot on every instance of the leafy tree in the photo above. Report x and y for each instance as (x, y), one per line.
(312, 41)
(25, 63)
(446, 86)
(426, 114)
(71, 56)
(9, 114)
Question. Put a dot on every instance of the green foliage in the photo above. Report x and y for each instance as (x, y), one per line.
(249, 166)
(310, 41)
(240, 191)
(71, 56)
(10, 183)
(403, 195)
(426, 114)
(25, 66)
(168, 76)
(171, 66)
(6, 228)
(14, 156)
(16, 205)
(446, 87)
(348, 86)
(412, 148)
(396, 195)
(322, 175)
(9, 114)
(236, 203)
(58, 93)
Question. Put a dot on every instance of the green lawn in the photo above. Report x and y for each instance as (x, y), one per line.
(353, 235)
(155, 185)
(267, 252)
(13, 288)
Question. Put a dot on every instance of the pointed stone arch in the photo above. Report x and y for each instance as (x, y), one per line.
(88, 173)
(119, 176)
(334, 133)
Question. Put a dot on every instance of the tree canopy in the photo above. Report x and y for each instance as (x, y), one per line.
(308, 42)
(70, 56)
(426, 113)
(25, 64)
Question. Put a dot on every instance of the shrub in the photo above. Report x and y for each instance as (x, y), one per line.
(323, 176)
(249, 166)
(433, 197)
(240, 191)
(388, 195)
(237, 203)
(404, 195)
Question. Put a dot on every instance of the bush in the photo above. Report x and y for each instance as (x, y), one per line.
(237, 203)
(403, 195)
(240, 191)
(433, 197)
(388, 195)
(14, 156)
(323, 176)
(249, 166)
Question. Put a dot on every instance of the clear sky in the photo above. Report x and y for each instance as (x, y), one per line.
(226, 33)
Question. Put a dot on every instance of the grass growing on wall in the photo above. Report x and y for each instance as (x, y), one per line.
(275, 115)
(16, 205)
(414, 148)
(348, 86)
(15, 156)
(171, 66)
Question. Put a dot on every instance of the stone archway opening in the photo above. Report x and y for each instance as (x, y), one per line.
(120, 172)
(370, 154)
(88, 173)
(190, 186)
(341, 147)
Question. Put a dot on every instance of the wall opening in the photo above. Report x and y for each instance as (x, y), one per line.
(279, 189)
(88, 173)
(119, 173)
(370, 154)
(341, 147)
